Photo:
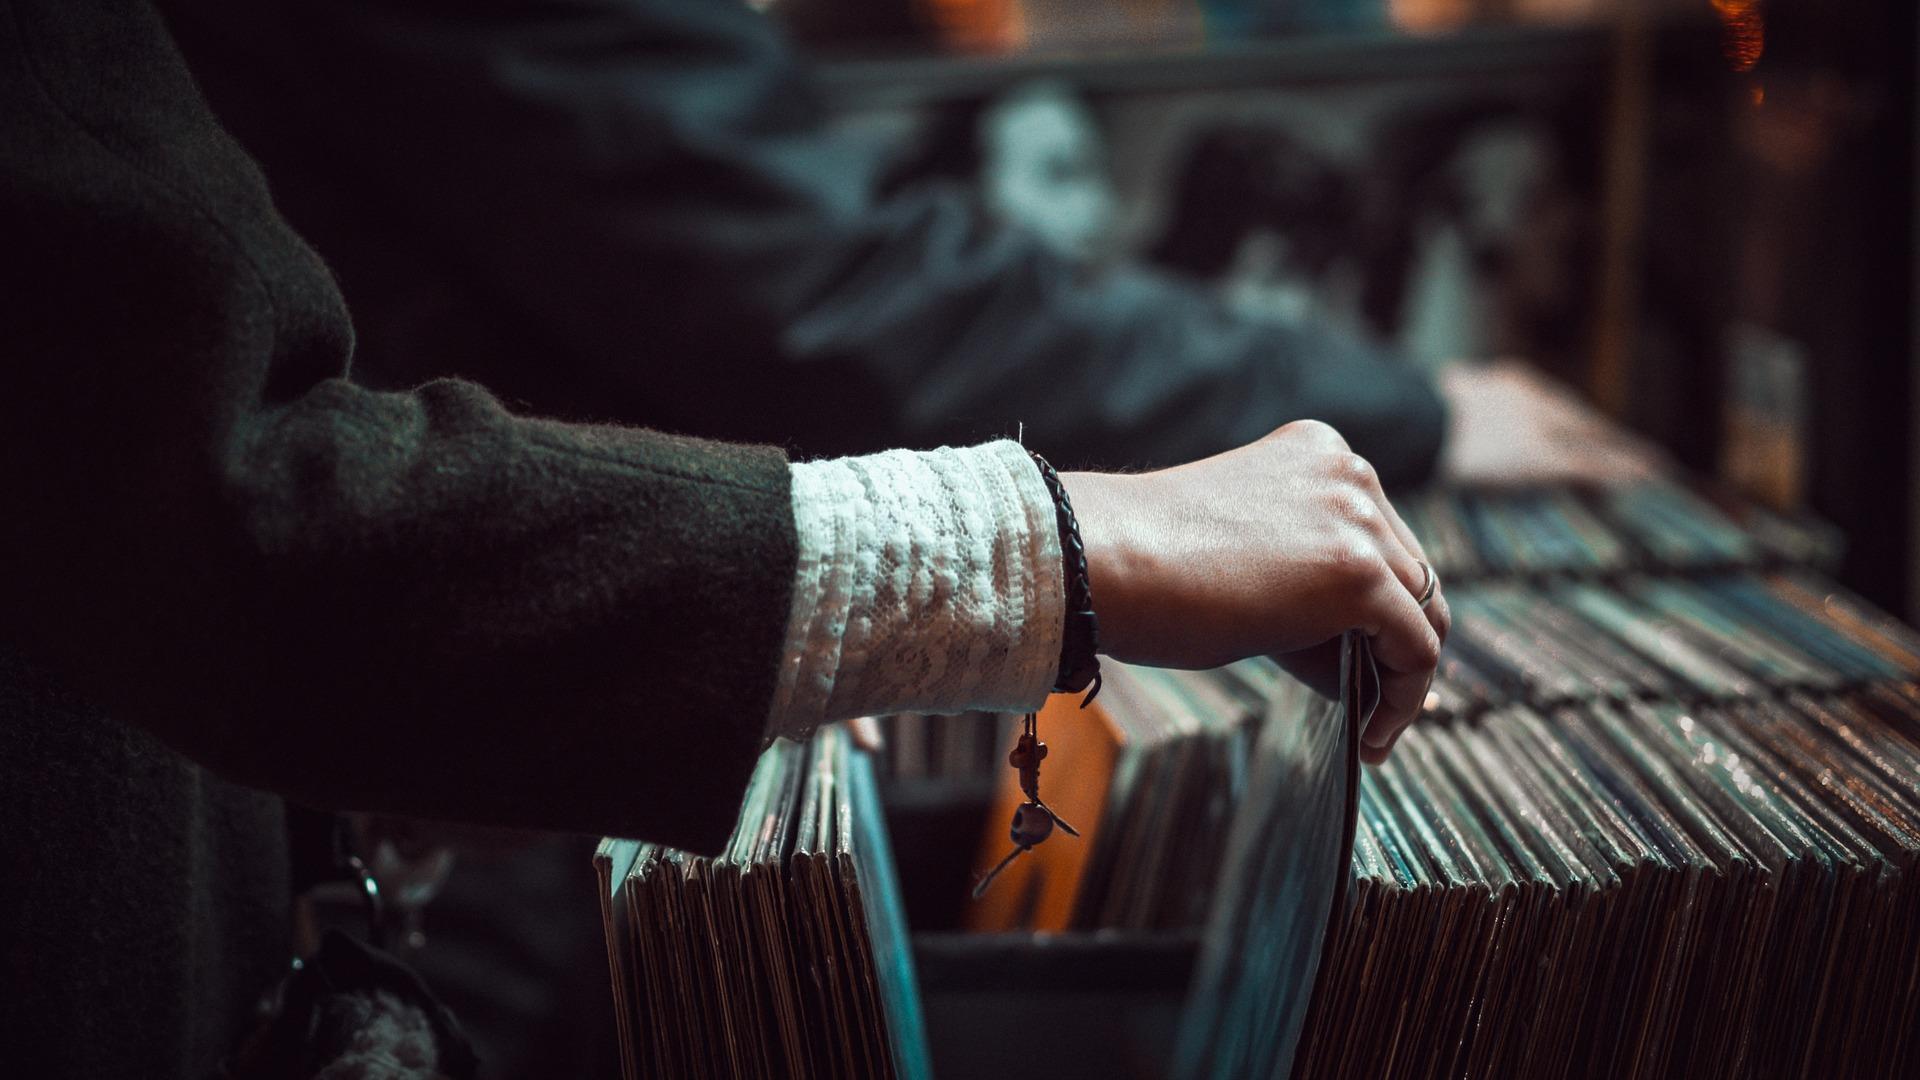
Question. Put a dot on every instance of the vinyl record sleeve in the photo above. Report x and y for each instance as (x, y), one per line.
(1288, 858)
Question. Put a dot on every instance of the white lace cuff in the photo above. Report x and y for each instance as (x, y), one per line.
(927, 582)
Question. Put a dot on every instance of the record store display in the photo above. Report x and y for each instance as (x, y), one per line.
(1669, 830)
(785, 956)
(1660, 817)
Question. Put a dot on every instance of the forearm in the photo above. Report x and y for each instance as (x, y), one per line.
(963, 329)
(420, 603)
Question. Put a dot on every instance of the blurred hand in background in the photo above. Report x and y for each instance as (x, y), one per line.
(1509, 425)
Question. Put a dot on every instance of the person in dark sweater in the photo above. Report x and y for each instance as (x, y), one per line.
(645, 195)
(236, 575)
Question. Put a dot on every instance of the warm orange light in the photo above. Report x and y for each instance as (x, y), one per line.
(1429, 16)
(1746, 31)
(978, 25)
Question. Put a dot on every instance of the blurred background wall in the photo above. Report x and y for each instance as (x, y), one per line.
(1699, 212)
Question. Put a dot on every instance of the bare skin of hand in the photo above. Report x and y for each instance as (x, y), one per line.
(1276, 548)
(1510, 425)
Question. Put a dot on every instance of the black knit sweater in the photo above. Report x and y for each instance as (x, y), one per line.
(225, 570)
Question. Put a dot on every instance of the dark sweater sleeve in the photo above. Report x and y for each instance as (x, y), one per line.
(414, 602)
(651, 186)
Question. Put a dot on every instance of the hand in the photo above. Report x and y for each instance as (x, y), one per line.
(1510, 425)
(1276, 548)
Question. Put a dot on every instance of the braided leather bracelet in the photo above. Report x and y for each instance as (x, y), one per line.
(1080, 641)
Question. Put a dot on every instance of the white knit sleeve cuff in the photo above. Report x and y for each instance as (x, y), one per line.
(926, 582)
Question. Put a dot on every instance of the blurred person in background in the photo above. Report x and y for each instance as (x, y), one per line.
(644, 196)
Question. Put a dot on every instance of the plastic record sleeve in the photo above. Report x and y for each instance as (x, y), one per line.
(1286, 872)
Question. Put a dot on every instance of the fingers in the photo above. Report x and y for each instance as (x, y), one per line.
(1405, 555)
(1313, 434)
(1439, 614)
(1406, 649)
(1360, 473)
(1406, 637)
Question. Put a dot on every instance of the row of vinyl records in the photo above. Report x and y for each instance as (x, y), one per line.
(1652, 825)
(1655, 525)
(1709, 872)
(787, 954)
(1170, 749)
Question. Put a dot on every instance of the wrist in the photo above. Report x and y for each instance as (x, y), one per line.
(1114, 565)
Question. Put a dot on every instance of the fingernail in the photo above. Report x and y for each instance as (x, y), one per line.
(1377, 737)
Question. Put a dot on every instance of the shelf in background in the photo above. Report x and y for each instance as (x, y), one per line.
(1307, 59)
